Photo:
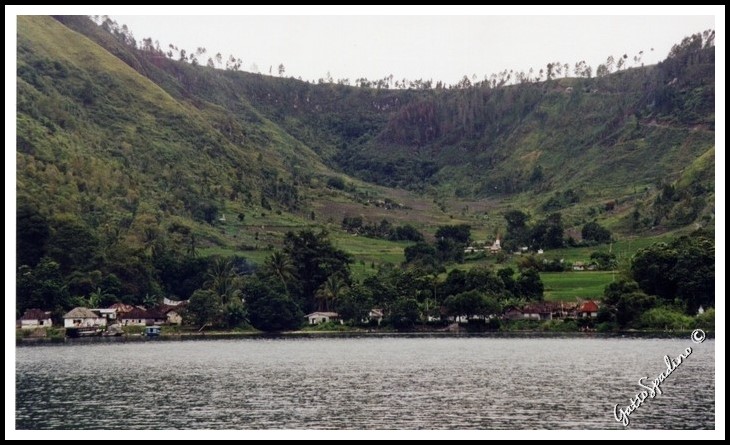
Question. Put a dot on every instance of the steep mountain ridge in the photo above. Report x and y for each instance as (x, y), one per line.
(119, 135)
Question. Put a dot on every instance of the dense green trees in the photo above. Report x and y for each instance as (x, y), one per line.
(72, 244)
(624, 303)
(384, 229)
(545, 234)
(314, 259)
(32, 234)
(451, 241)
(204, 307)
(672, 280)
(355, 303)
(449, 247)
(604, 260)
(405, 233)
(421, 252)
(404, 313)
(269, 307)
(280, 266)
(681, 271)
(593, 232)
(41, 287)
(529, 285)
(330, 292)
(471, 303)
(460, 234)
(548, 233)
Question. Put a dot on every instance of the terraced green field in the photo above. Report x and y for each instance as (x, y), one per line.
(567, 286)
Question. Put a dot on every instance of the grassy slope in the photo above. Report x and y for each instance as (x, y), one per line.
(152, 136)
(570, 286)
(135, 145)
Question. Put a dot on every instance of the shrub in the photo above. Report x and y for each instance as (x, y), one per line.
(706, 320)
(665, 318)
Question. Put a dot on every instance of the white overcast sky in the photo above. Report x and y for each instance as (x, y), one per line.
(434, 47)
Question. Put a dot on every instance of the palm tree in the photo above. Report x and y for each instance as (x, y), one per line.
(223, 280)
(330, 291)
(151, 301)
(96, 297)
(191, 247)
(280, 265)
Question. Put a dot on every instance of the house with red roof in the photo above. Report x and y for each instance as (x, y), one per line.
(589, 309)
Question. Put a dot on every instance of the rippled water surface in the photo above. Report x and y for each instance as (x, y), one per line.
(362, 383)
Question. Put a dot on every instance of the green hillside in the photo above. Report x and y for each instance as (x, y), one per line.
(134, 168)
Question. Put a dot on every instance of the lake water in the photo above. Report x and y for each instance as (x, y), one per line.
(362, 383)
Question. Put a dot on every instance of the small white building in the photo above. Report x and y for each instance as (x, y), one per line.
(375, 314)
(110, 314)
(174, 317)
(322, 317)
(35, 318)
(81, 317)
(496, 247)
(172, 314)
(540, 251)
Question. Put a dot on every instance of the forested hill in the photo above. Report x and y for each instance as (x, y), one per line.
(129, 163)
(629, 129)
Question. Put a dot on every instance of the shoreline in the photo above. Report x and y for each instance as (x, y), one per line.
(224, 335)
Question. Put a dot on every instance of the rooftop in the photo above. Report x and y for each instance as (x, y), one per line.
(80, 312)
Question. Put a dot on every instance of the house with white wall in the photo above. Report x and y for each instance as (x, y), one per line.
(35, 318)
(322, 317)
(81, 317)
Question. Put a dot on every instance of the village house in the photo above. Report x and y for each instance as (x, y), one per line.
(565, 310)
(156, 316)
(81, 317)
(513, 313)
(35, 318)
(139, 317)
(375, 314)
(538, 311)
(545, 310)
(172, 314)
(322, 317)
(588, 309)
(108, 313)
(579, 265)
